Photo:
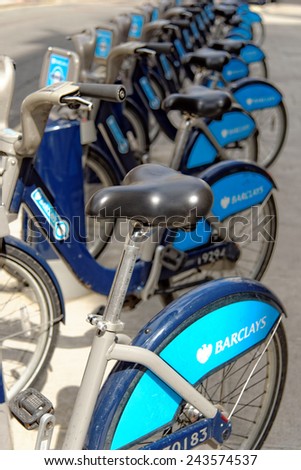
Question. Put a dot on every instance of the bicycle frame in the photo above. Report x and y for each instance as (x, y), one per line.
(104, 349)
(46, 181)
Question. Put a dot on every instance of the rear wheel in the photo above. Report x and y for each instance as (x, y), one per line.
(258, 33)
(258, 69)
(252, 237)
(245, 150)
(272, 128)
(250, 394)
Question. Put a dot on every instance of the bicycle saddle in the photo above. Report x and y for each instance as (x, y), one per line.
(232, 46)
(209, 58)
(154, 195)
(199, 101)
(225, 11)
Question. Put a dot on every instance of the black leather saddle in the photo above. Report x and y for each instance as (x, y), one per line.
(225, 11)
(209, 58)
(232, 46)
(199, 101)
(154, 195)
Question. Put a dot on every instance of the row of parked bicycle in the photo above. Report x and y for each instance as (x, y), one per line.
(201, 227)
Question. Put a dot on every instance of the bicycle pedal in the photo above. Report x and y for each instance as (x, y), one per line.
(29, 406)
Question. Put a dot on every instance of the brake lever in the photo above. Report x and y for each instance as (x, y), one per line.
(74, 102)
(145, 51)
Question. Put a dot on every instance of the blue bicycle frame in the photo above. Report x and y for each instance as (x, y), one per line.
(43, 187)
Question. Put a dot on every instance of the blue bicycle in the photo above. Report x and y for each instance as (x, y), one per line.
(238, 234)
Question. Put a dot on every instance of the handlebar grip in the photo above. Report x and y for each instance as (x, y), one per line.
(160, 47)
(115, 93)
(180, 23)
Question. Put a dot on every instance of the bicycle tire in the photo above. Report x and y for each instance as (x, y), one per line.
(258, 33)
(29, 299)
(245, 267)
(97, 175)
(272, 130)
(258, 69)
(252, 419)
(244, 150)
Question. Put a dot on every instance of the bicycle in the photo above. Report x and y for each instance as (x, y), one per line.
(182, 364)
(257, 96)
(161, 270)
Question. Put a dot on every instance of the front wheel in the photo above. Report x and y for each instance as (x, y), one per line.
(29, 313)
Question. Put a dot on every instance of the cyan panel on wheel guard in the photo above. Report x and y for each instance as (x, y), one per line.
(233, 126)
(249, 17)
(241, 32)
(237, 192)
(202, 347)
(257, 96)
(234, 70)
(251, 53)
(185, 241)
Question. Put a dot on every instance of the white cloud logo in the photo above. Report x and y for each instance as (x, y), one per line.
(225, 202)
(203, 353)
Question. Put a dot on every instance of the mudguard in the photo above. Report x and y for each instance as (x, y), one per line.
(223, 319)
(241, 32)
(236, 186)
(249, 17)
(255, 93)
(234, 125)
(235, 69)
(252, 53)
(16, 243)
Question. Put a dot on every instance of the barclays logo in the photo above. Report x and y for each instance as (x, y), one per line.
(206, 350)
(238, 198)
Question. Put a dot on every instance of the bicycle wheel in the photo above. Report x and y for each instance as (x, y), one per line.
(255, 241)
(258, 69)
(29, 313)
(272, 128)
(251, 395)
(258, 33)
(97, 175)
(245, 150)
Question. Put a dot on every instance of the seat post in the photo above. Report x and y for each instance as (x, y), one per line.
(111, 316)
(180, 142)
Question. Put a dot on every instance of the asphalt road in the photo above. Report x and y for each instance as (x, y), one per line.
(26, 33)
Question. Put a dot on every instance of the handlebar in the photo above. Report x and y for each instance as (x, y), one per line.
(160, 47)
(115, 93)
(36, 108)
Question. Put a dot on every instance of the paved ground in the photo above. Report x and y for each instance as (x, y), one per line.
(282, 45)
